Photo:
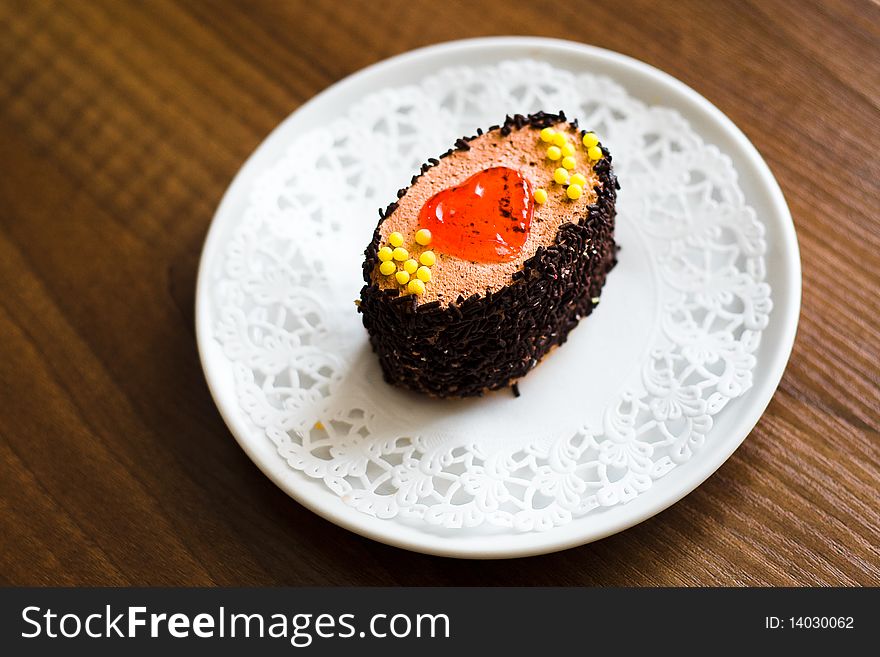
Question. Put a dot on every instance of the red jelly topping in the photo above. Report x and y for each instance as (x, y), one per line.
(485, 219)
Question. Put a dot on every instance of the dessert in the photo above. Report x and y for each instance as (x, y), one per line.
(491, 257)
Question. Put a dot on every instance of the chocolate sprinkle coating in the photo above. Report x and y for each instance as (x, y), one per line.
(487, 342)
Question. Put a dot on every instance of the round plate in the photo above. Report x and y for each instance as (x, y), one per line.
(643, 82)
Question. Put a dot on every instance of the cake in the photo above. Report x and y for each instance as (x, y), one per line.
(491, 256)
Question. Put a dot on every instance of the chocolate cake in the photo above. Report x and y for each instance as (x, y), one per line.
(493, 254)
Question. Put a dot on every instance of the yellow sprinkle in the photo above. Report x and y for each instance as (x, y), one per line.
(569, 162)
(540, 195)
(423, 274)
(590, 139)
(559, 139)
(573, 192)
(554, 153)
(388, 268)
(423, 236)
(560, 176)
(319, 425)
(396, 239)
(385, 254)
(567, 149)
(578, 179)
(427, 258)
(400, 253)
(416, 287)
(547, 134)
(595, 153)
(410, 266)
(402, 277)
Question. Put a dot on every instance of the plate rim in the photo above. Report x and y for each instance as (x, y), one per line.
(528, 543)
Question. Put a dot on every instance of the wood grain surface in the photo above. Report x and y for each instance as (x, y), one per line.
(121, 125)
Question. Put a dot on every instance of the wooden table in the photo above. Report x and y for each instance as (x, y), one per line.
(122, 123)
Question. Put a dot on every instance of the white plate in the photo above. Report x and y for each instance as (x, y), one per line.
(406, 526)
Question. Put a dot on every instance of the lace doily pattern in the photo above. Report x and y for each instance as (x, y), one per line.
(304, 377)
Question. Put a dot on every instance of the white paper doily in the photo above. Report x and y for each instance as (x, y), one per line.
(632, 396)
